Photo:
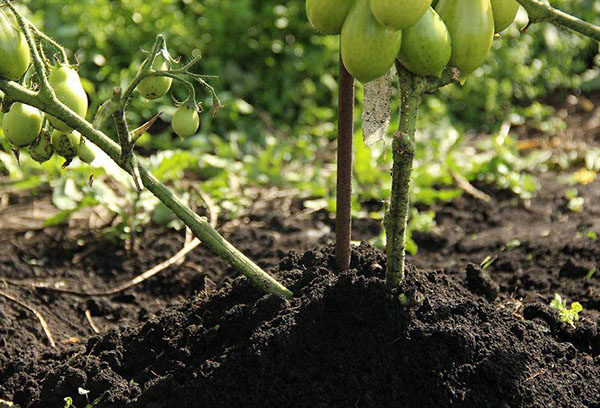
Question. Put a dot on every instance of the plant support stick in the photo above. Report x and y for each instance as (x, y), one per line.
(343, 220)
(403, 148)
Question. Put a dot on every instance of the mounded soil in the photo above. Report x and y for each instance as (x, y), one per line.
(453, 334)
(461, 336)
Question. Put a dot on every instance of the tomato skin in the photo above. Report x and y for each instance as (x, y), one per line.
(328, 16)
(185, 122)
(66, 144)
(426, 46)
(154, 87)
(471, 27)
(22, 124)
(504, 12)
(368, 48)
(14, 51)
(85, 153)
(41, 149)
(67, 85)
(399, 14)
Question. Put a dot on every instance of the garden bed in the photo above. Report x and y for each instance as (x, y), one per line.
(463, 337)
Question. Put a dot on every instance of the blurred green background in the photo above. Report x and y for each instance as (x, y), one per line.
(277, 82)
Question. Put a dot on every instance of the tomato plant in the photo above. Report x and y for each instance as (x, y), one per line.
(61, 96)
(432, 44)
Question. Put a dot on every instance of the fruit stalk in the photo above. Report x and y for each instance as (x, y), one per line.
(541, 12)
(403, 148)
(343, 220)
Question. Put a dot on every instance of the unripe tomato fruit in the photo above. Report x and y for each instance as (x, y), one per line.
(399, 14)
(41, 149)
(185, 121)
(328, 16)
(504, 12)
(22, 124)
(368, 48)
(85, 153)
(153, 87)
(471, 27)
(14, 51)
(66, 144)
(67, 85)
(426, 46)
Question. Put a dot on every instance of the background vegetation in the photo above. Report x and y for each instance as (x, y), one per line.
(277, 81)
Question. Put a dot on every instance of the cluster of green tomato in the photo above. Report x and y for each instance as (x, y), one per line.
(26, 126)
(425, 35)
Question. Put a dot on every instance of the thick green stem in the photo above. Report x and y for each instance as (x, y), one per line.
(403, 148)
(201, 228)
(539, 12)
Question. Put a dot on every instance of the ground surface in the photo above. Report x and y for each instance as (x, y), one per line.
(194, 336)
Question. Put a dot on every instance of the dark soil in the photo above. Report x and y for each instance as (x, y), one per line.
(345, 340)
(194, 336)
(537, 248)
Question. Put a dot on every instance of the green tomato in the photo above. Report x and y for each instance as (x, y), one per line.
(85, 153)
(504, 12)
(22, 124)
(426, 46)
(154, 87)
(368, 48)
(66, 144)
(67, 85)
(399, 14)
(41, 149)
(14, 51)
(185, 122)
(328, 16)
(471, 27)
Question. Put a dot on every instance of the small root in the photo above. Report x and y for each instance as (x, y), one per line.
(35, 312)
(177, 258)
(88, 316)
(463, 184)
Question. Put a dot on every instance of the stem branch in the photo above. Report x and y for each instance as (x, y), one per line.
(539, 12)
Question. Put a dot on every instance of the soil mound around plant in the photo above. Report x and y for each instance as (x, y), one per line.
(345, 340)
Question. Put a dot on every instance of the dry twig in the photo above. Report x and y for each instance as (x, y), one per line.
(88, 316)
(177, 258)
(35, 312)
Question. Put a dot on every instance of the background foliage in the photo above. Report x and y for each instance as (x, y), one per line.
(277, 80)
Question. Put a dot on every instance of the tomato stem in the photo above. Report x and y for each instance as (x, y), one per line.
(539, 12)
(403, 148)
(412, 89)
